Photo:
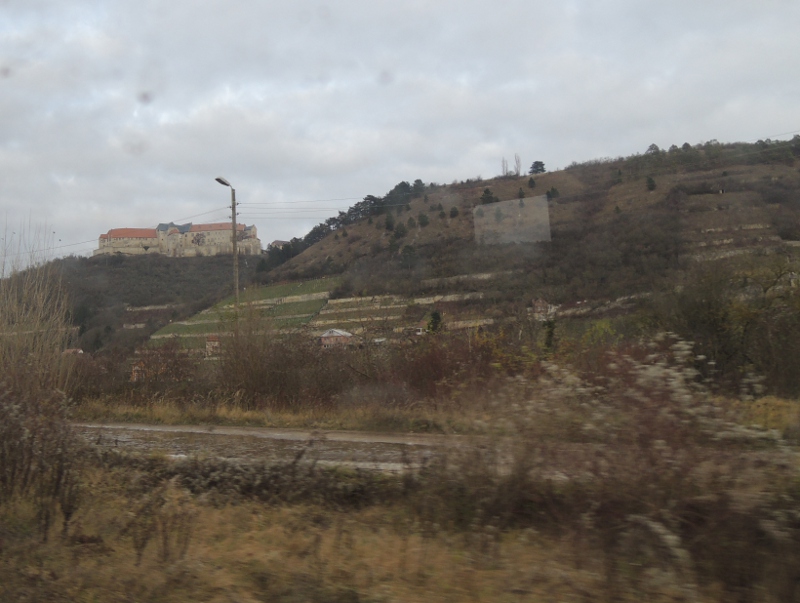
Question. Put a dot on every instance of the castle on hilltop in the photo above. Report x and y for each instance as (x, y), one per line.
(179, 240)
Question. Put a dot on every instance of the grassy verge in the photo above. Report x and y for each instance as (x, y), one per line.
(164, 411)
(249, 551)
(771, 412)
(776, 414)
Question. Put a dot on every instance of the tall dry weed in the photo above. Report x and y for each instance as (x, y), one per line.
(38, 450)
(165, 514)
(40, 456)
(640, 466)
(34, 323)
(262, 367)
(33, 332)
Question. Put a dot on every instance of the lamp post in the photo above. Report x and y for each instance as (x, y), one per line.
(224, 182)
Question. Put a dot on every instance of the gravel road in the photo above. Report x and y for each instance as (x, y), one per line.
(384, 452)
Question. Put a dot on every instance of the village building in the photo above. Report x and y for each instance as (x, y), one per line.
(335, 338)
(542, 310)
(179, 240)
(213, 346)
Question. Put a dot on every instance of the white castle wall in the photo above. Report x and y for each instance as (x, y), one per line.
(170, 241)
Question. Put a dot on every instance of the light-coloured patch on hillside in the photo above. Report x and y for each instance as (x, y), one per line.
(525, 220)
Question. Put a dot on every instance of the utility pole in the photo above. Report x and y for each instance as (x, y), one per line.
(224, 182)
(235, 249)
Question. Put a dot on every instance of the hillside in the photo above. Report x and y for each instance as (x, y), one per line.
(119, 301)
(618, 226)
(621, 230)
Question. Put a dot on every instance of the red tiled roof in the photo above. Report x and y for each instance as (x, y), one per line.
(132, 233)
(103, 236)
(218, 226)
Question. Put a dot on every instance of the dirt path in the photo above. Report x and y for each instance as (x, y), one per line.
(385, 452)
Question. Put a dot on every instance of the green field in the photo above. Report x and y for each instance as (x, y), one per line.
(307, 307)
(194, 329)
(367, 302)
(284, 290)
(197, 342)
(280, 316)
(350, 314)
(219, 318)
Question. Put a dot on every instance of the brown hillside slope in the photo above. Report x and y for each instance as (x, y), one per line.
(607, 225)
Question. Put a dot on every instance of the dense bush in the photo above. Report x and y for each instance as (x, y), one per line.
(35, 331)
(747, 324)
(262, 368)
(38, 451)
(290, 371)
(40, 457)
(658, 494)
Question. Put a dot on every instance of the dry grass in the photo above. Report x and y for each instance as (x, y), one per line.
(666, 499)
(361, 417)
(771, 412)
(249, 552)
(34, 325)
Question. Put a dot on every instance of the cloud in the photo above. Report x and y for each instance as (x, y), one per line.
(115, 114)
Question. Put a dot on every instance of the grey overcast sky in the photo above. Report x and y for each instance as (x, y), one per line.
(121, 112)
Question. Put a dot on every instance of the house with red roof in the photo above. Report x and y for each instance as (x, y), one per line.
(180, 240)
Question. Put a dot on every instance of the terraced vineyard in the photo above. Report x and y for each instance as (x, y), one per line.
(285, 306)
(306, 306)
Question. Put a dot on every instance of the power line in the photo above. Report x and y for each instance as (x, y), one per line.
(74, 244)
(409, 194)
(202, 214)
(299, 201)
(45, 249)
(269, 210)
(284, 217)
(784, 134)
(280, 211)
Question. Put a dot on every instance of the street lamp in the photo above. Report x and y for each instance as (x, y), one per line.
(224, 182)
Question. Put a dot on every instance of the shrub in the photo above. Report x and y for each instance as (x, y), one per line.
(166, 514)
(39, 456)
(408, 257)
(38, 450)
(745, 324)
(487, 197)
(36, 331)
(655, 498)
(279, 371)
